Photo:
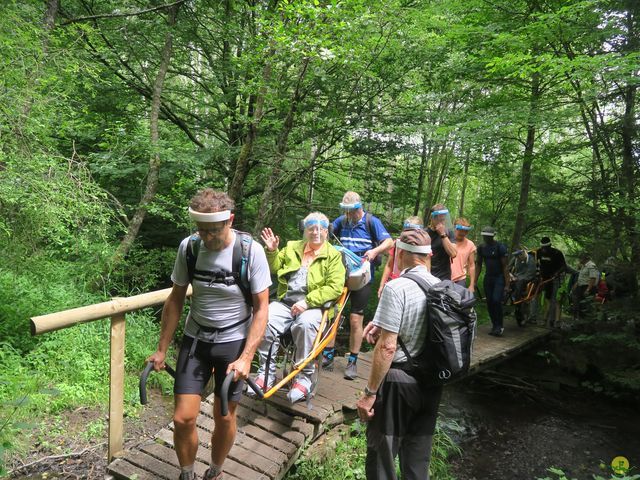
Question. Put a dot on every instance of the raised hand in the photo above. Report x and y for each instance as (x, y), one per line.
(271, 241)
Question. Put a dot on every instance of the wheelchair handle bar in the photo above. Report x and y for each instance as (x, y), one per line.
(224, 393)
(143, 380)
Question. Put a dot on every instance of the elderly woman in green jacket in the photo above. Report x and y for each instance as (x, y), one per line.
(310, 273)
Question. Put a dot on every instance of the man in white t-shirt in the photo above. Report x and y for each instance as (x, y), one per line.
(400, 410)
(225, 324)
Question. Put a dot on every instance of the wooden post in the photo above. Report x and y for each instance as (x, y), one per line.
(116, 386)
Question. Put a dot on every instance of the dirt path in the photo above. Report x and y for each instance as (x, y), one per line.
(74, 444)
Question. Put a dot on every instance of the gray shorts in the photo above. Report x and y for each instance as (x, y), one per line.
(193, 373)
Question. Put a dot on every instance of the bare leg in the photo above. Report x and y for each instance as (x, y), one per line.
(355, 337)
(224, 432)
(185, 438)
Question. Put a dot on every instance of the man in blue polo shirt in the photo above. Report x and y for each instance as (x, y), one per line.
(363, 234)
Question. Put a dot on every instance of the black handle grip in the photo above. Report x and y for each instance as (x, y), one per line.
(143, 380)
(224, 392)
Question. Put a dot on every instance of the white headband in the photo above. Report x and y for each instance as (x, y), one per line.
(488, 234)
(210, 217)
(414, 248)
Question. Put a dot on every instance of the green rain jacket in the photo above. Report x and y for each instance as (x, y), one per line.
(325, 277)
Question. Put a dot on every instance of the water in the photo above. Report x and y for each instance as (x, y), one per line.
(518, 433)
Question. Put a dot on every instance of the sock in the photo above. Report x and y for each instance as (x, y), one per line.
(187, 469)
(329, 352)
(353, 357)
(214, 469)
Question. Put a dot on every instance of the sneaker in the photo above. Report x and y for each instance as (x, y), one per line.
(351, 372)
(497, 332)
(187, 476)
(327, 359)
(260, 383)
(209, 475)
(299, 390)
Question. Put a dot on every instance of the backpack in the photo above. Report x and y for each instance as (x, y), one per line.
(371, 233)
(239, 274)
(358, 272)
(451, 330)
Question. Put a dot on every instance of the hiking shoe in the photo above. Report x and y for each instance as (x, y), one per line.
(497, 332)
(327, 360)
(187, 476)
(300, 389)
(210, 475)
(351, 372)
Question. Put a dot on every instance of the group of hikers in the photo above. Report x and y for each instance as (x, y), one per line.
(231, 317)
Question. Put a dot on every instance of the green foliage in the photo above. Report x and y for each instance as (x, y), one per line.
(559, 474)
(347, 461)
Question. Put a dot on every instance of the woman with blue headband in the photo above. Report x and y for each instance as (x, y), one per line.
(464, 264)
(310, 273)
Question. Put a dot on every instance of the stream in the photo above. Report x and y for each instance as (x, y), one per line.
(525, 417)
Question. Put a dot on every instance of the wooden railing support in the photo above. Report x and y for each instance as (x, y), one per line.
(116, 386)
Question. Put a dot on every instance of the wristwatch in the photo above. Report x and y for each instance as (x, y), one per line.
(443, 236)
(368, 392)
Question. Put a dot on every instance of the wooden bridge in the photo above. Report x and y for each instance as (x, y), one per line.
(273, 433)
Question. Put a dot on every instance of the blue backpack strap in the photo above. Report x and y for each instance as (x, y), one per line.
(370, 230)
(193, 248)
(240, 263)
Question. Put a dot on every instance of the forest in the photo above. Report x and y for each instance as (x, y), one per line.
(519, 114)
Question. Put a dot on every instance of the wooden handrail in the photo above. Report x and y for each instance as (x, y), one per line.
(68, 318)
(116, 309)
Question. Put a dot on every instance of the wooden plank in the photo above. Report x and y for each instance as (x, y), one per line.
(204, 455)
(116, 386)
(123, 470)
(158, 468)
(268, 438)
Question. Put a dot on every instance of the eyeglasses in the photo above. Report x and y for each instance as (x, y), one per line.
(210, 232)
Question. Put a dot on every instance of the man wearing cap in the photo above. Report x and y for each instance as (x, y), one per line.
(363, 234)
(523, 271)
(222, 330)
(391, 269)
(443, 242)
(310, 273)
(496, 279)
(551, 264)
(401, 412)
(464, 263)
(585, 286)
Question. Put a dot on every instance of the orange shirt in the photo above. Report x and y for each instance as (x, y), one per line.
(459, 263)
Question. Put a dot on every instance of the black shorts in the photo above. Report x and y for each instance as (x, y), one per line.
(551, 288)
(192, 374)
(360, 299)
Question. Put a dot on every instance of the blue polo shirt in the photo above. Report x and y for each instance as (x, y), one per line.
(356, 237)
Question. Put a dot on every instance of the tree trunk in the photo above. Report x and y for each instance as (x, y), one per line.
(527, 162)
(421, 175)
(269, 204)
(154, 162)
(465, 179)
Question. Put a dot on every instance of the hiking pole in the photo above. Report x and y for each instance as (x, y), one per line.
(143, 380)
(224, 392)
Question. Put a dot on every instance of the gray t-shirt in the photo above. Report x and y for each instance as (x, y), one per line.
(216, 304)
(402, 309)
(296, 287)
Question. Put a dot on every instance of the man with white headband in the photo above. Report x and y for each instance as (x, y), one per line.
(443, 242)
(401, 411)
(225, 324)
(464, 263)
(362, 233)
(496, 279)
(310, 273)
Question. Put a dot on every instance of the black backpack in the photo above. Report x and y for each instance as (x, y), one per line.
(239, 274)
(372, 235)
(451, 330)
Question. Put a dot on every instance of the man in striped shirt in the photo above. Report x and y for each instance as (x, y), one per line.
(363, 234)
(400, 410)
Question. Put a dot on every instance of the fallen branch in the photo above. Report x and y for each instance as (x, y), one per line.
(56, 457)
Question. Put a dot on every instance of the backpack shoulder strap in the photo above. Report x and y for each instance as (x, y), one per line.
(240, 263)
(193, 248)
(370, 230)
